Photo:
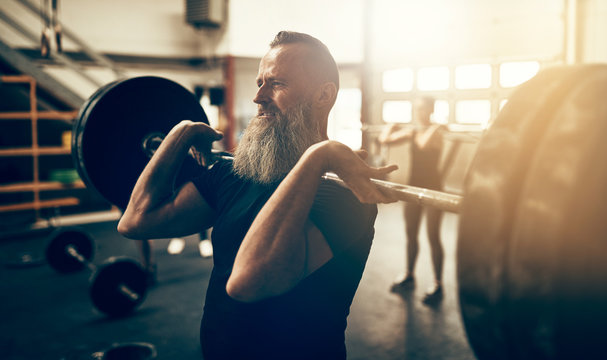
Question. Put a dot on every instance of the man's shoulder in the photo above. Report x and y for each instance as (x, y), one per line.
(222, 165)
(338, 199)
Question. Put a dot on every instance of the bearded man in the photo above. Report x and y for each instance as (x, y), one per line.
(289, 247)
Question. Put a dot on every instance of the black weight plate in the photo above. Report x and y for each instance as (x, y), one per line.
(78, 130)
(113, 124)
(491, 195)
(557, 280)
(114, 274)
(57, 255)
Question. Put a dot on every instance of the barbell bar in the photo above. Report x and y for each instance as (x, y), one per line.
(413, 194)
(451, 134)
(425, 197)
(515, 304)
(118, 286)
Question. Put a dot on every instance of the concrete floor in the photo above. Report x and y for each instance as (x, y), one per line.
(46, 315)
(385, 325)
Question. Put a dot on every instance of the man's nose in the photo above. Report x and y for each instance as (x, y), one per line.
(262, 95)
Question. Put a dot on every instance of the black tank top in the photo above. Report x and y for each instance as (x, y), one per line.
(424, 166)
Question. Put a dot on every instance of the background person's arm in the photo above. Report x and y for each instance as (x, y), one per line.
(393, 134)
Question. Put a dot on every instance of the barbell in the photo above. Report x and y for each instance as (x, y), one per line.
(118, 286)
(452, 133)
(530, 257)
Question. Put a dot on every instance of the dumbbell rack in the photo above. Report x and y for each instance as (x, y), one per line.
(35, 151)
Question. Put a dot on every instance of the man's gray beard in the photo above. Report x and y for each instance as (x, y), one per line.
(269, 149)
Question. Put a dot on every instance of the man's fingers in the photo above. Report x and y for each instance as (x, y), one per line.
(363, 154)
(382, 171)
(369, 193)
(386, 196)
(218, 135)
(387, 169)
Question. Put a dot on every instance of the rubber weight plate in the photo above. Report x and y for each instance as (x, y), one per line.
(57, 255)
(113, 124)
(557, 273)
(491, 195)
(112, 284)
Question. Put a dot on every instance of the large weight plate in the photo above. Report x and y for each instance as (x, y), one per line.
(57, 255)
(108, 280)
(557, 280)
(113, 123)
(491, 195)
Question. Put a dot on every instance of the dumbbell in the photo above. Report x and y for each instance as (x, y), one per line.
(118, 286)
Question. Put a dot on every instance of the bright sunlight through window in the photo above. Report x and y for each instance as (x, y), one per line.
(473, 112)
(344, 120)
(397, 80)
(397, 111)
(433, 78)
(476, 76)
(441, 112)
(515, 73)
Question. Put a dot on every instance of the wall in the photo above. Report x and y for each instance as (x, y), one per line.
(593, 27)
(338, 23)
(136, 27)
(439, 32)
(146, 28)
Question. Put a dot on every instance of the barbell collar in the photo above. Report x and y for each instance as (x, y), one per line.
(128, 292)
(72, 251)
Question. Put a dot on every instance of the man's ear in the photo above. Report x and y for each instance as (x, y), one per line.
(326, 94)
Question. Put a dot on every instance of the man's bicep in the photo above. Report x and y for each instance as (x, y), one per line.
(191, 212)
(186, 213)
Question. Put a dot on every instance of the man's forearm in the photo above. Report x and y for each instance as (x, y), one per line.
(155, 208)
(273, 254)
(155, 184)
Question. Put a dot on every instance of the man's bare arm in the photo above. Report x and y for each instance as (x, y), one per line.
(282, 246)
(155, 209)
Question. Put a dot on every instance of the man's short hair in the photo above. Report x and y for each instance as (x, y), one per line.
(319, 52)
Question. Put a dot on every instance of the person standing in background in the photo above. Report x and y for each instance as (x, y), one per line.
(426, 147)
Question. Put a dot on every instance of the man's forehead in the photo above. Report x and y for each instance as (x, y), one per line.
(284, 58)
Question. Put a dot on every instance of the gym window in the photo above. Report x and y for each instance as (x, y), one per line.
(441, 112)
(515, 73)
(397, 80)
(394, 111)
(473, 112)
(433, 78)
(344, 120)
(502, 103)
(469, 94)
(476, 76)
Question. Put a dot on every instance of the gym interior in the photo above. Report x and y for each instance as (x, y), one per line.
(517, 86)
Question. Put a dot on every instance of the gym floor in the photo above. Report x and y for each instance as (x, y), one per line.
(46, 315)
